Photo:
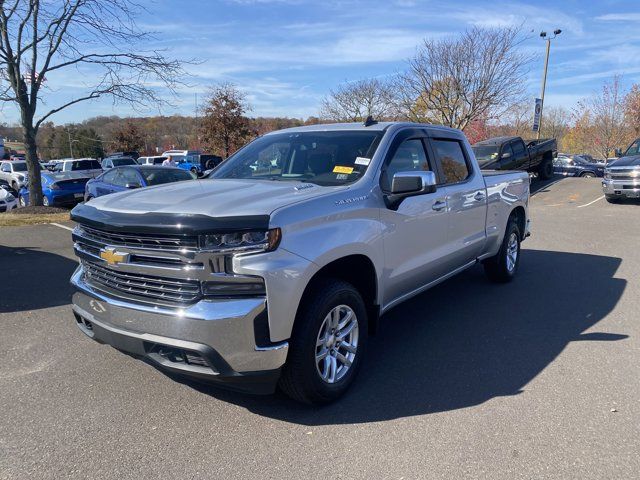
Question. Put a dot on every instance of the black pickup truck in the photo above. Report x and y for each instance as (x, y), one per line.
(512, 153)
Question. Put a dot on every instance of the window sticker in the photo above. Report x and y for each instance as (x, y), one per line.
(339, 169)
(362, 161)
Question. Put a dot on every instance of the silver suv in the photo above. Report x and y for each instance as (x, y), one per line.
(275, 269)
(14, 173)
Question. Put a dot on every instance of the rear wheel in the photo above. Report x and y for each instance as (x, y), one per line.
(45, 201)
(22, 201)
(588, 175)
(503, 267)
(327, 345)
(545, 171)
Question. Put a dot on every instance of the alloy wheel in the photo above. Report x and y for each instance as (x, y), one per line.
(336, 344)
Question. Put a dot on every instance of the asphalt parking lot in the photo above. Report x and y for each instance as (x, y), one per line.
(534, 379)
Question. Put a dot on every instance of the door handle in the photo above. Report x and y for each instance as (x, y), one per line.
(439, 205)
(479, 196)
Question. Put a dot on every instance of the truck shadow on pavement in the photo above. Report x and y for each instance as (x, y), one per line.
(34, 279)
(466, 341)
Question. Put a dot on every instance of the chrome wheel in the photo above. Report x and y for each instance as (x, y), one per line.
(23, 203)
(45, 201)
(512, 252)
(336, 344)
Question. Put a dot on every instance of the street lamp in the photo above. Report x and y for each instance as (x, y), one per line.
(543, 35)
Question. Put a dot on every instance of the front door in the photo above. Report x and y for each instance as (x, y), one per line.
(415, 234)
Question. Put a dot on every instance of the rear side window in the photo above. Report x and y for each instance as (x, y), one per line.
(452, 158)
(85, 165)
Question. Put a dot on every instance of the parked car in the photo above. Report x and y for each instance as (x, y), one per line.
(186, 159)
(576, 166)
(622, 176)
(58, 189)
(131, 154)
(8, 200)
(156, 160)
(511, 153)
(279, 273)
(85, 166)
(119, 179)
(111, 162)
(1, 148)
(14, 173)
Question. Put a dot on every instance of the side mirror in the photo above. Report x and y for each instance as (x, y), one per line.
(505, 155)
(618, 152)
(133, 185)
(410, 184)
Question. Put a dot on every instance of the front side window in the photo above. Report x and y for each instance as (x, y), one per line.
(129, 176)
(409, 157)
(5, 167)
(452, 159)
(324, 158)
(486, 154)
(19, 166)
(109, 176)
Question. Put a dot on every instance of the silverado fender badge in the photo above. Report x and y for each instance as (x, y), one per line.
(344, 201)
(109, 255)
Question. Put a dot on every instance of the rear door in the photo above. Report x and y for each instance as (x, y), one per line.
(415, 235)
(466, 198)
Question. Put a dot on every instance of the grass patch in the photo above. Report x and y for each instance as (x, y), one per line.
(9, 220)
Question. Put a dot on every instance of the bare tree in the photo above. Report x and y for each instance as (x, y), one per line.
(556, 123)
(354, 102)
(225, 128)
(608, 113)
(98, 39)
(458, 80)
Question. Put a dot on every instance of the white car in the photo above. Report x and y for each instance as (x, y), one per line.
(7, 201)
(88, 166)
(157, 160)
(14, 173)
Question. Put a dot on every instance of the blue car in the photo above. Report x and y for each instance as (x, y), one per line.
(576, 166)
(119, 179)
(58, 189)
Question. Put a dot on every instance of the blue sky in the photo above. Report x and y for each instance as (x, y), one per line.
(286, 54)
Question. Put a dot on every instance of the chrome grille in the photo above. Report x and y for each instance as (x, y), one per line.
(140, 240)
(142, 287)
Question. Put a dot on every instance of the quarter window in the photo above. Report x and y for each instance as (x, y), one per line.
(452, 159)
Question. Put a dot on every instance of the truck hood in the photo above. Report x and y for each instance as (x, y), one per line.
(632, 161)
(212, 197)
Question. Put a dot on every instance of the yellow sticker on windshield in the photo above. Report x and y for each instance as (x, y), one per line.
(339, 169)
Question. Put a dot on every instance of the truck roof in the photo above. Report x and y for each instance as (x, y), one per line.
(496, 140)
(379, 126)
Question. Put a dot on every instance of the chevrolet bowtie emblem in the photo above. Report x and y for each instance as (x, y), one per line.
(112, 257)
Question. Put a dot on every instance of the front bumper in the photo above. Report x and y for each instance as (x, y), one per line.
(621, 188)
(214, 341)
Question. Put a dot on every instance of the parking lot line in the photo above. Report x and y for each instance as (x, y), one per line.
(591, 203)
(62, 226)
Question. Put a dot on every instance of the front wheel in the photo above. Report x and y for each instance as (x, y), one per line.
(45, 201)
(327, 345)
(503, 267)
(588, 175)
(22, 201)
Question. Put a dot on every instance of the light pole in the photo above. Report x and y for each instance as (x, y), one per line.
(543, 35)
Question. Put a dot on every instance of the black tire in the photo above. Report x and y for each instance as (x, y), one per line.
(498, 267)
(300, 377)
(611, 198)
(210, 164)
(588, 175)
(545, 170)
(194, 170)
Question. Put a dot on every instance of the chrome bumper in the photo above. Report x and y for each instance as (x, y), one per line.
(223, 332)
(623, 188)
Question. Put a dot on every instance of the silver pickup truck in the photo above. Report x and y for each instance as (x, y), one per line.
(622, 176)
(275, 268)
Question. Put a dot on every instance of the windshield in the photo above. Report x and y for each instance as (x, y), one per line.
(486, 153)
(118, 162)
(165, 175)
(19, 166)
(634, 149)
(323, 158)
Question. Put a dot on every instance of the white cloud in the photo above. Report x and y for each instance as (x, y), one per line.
(619, 17)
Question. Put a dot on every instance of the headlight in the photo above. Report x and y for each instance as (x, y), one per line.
(242, 242)
(607, 174)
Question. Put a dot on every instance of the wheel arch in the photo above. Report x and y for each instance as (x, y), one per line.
(358, 270)
(520, 216)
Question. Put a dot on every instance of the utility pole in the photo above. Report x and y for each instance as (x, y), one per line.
(70, 143)
(543, 35)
